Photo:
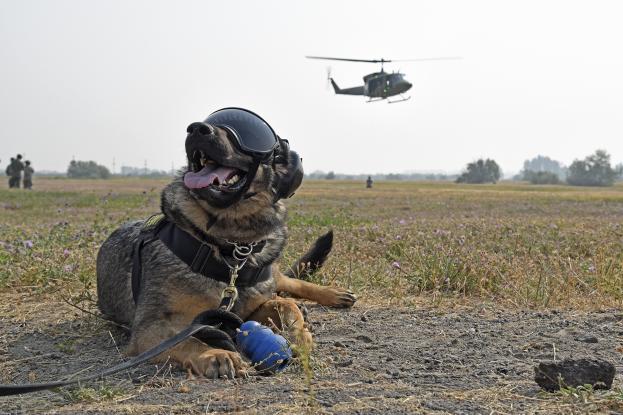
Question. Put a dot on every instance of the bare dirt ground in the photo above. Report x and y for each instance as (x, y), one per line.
(371, 359)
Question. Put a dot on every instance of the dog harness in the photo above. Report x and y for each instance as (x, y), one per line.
(217, 327)
(199, 256)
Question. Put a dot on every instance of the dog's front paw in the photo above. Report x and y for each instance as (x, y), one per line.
(338, 297)
(215, 363)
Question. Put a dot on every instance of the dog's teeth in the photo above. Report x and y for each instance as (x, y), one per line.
(232, 180)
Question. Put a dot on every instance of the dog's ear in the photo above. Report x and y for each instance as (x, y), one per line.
(288, 167)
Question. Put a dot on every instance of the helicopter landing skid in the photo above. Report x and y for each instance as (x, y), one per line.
(375, 100)
(399, 100)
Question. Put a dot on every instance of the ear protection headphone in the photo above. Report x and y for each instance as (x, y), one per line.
(288, 183)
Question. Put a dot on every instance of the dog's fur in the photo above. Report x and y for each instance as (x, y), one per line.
(172, 295)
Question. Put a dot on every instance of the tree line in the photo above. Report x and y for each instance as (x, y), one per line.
(594, 170)
(320, 175)
(91, 170)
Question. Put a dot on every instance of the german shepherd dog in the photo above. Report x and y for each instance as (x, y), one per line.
(223, 195)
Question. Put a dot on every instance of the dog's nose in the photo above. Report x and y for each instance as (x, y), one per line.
(200, 128)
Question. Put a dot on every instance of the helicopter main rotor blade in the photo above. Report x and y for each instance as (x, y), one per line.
(443, 58)
(349, 60)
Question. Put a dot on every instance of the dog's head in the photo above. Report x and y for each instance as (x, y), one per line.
(235, 155)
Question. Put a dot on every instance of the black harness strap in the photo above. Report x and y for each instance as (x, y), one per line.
(148, 234)
(198, 255)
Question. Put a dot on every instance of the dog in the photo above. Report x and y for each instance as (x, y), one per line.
(228, 202)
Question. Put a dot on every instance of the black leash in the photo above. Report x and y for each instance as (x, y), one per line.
(216, 328)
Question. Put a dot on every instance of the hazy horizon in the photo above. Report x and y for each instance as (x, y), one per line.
(115, 79)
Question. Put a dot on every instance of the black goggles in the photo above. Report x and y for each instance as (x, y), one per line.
(252, 133)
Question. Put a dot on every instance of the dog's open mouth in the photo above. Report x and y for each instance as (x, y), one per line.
(207, 173)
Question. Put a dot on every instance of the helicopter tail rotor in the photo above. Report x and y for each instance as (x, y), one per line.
(328, 84)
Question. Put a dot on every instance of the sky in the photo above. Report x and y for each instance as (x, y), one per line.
(104, 80)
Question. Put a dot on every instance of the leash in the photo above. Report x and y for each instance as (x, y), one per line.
(216, 328)
(203, 327)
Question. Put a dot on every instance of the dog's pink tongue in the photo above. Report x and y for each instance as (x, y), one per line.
(207, 176)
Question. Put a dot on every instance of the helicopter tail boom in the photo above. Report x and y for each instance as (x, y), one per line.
(357, 90)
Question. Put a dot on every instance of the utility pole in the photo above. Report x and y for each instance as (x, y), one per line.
(145, 169)
(113, 165)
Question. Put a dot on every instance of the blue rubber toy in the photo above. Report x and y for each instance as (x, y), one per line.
(269, 352)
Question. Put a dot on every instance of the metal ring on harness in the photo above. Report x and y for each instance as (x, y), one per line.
(241, 252)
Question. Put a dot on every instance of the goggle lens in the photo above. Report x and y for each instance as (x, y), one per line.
(253, 134)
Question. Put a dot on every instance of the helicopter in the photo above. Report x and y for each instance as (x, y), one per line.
(378, 85)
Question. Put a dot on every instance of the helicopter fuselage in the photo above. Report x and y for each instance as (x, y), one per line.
(379, 85)
(384, 85)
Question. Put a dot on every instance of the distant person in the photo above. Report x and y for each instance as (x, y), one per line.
(369, 182)
(16, 171)
(28, 172)
(9, 172)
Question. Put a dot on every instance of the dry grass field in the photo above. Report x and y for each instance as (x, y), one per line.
(462, 288)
